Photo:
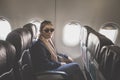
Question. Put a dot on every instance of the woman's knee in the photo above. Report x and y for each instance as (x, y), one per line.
(75, 65)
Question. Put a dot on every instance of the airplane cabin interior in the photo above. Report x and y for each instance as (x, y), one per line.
(88, 31)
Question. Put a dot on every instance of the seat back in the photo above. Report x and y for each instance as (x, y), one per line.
(85, 30)
(21, 39)
(26, 66)
(92, 47)
(33, 29)
(95, 42)
(103, 42)
(7, 60)
(110, 64)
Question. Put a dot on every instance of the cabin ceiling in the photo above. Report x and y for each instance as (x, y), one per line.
(90, 12)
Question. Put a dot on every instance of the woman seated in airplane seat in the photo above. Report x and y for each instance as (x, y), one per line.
(44, 56)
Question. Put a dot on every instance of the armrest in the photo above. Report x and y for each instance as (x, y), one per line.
(61, 73)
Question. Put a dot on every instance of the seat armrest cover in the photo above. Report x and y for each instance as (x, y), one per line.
(52, 73)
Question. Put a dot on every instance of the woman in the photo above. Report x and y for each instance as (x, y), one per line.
(44, 56)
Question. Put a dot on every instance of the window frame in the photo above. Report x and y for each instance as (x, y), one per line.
(71, 42)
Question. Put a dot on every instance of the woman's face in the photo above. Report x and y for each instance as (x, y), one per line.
(47, 31)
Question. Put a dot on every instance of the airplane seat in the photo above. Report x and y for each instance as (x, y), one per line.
(93, 57)
(85, 30)
(95, 43)
(27, 72)
(21, 39)
(83, 36)
(103, 42)
(33, 29)
(83, 40)
(116, 65)
(110, 65)
(7, 59)
(104, 52)
(26, 66)
(93, 46)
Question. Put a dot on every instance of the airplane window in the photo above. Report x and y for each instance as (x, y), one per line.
(71, 34)
(5, 28)
(110, 30)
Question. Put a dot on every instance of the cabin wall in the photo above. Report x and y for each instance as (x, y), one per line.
(83, 11)
(20, 12)
(93, 13)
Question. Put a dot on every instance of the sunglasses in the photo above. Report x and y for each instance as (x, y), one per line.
(47, 30)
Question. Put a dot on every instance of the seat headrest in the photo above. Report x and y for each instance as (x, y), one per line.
(104, 40)
(7, 56)
(89, 29)
(32, 28)
(85, 31)
(21, 39)
(93, 44)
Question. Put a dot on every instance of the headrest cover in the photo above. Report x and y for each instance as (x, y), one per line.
(21, 39)
(86, 30)
(32, 28)
(7, 56)
(89, 29)
(93, 43)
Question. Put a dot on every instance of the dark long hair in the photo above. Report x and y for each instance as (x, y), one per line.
(44, 23)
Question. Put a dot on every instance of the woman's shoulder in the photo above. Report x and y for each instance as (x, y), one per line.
(37, 43)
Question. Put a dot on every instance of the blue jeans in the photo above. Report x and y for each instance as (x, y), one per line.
(73, 70)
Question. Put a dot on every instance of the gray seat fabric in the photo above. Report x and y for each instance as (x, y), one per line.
(21, 39)
(32, 28)
(110, 64)
(103, 41)
(95, 42)
(7, 60)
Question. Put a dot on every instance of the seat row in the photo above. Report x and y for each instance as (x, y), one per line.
(110, 62)
(15, 60)
(99, 54)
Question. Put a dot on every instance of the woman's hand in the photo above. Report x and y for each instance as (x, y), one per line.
(68, 60)
(62, 63)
